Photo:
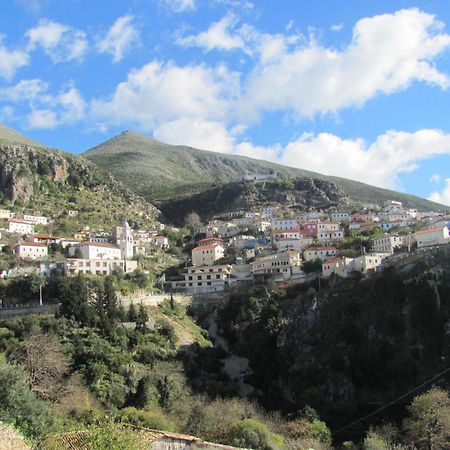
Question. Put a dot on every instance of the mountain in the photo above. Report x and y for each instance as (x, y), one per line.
(162, 172)
(10, 136)
(39, 179)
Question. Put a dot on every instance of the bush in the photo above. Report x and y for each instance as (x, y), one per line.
(250, 433)
(19, 405)
(155, 420)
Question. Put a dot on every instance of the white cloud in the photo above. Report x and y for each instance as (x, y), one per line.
(11, 61)
(387, 53)
(24, 90)
(379, 164)
(42, 118)
(179, 6)
(120, 38)
(442, 196)
(60, 42)
(218, 36)
(196, 133)
(337, 27)
(435, 178)
(158, 93)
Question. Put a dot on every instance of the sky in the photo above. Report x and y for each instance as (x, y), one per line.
(356, 88)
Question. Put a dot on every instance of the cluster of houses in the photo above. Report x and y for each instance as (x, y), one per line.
(88, 253)
(275, 245)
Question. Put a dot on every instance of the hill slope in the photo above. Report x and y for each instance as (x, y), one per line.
(10, 136)
(162, 172)
(52, 182)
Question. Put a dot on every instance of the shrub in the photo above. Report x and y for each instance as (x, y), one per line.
(250, 433)
(155, 420)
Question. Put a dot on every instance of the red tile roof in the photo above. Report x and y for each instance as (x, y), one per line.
(31, 244)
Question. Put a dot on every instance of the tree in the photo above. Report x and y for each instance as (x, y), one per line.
(193, 221)
(312, 266)
(428, 426)
(132, 313)
(250, 433)
(141, 397)
(142, 319)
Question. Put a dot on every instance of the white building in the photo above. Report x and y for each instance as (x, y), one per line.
(285, 265)
(339, 266)
(102, 266)
(433, 236)
(207, 278)
(123, 236)
(40, 220)
(284, 224)
(368, 262)
(293, 233)
(96, 250)
(6, 214)
(31, 250)
(392, 205)
(387, 243)
(322, 253)
(161, 241)
(285, 243)
(328, 236)
(18, 226)
(340, 216)
(269, 211)
(205, 255)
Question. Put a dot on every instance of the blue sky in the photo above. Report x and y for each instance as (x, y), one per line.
(358, 89)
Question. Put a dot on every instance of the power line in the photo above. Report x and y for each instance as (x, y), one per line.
(391, 402)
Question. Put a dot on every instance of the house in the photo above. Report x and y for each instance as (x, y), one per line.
(44, 238)
(260, 225)
(340, 216)
(284, 243)
(327, 226)
(206, 255)
(387, 243)
(211, 241)
(31, 250)
(368, 262)
(6, 214)
(393, 223)
(309, 228)
(433, 236)
(362, 218)
(161, 241)
(284, 266)
(228, 229)
(18, 226)
(360, 227)
(95, 266)
(96, 250)
(39, 220)
(284, 224)
(291, 233)
(328, 236)
(239, 241)
(69, 242)
(322, 253)
(392, 205)
(72, 213)
(207, 278)
(339, 266)
(269, 211)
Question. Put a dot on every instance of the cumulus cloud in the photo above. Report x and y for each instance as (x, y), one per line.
(442, 196)
(42, 118)
(11, 61)
(60, 42)
(435, 178)
(120, 38)
(158, 93)
(196, 133)
(26, 90)
(179, 6)
(218, 36)
(387, 53)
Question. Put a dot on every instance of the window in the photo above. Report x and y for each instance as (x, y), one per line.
(217, 277)
(199, 277)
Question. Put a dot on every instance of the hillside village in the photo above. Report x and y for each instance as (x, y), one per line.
(237, 248)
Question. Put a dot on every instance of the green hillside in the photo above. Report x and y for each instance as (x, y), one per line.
(38, 179)
(10, 136)
(161, 172)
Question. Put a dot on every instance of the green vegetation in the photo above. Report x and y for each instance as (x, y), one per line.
(160, 172)
(53, 182)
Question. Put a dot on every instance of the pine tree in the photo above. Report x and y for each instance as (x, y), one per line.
(142, 319)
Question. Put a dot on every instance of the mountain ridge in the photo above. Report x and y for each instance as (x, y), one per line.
(162, 172)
